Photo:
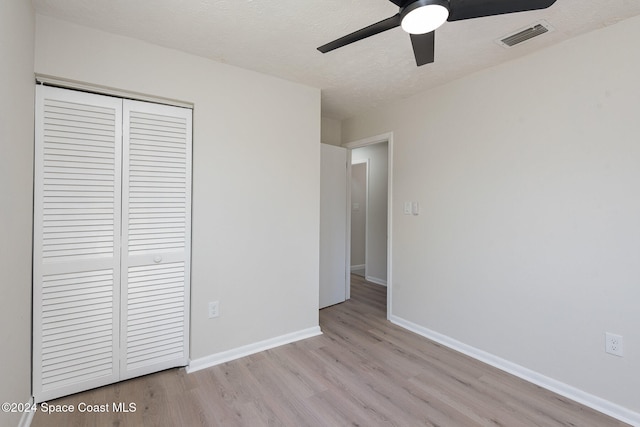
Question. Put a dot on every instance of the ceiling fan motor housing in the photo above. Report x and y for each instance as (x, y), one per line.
(422, 22)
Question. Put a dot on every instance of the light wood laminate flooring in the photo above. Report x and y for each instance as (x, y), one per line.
(363, 371)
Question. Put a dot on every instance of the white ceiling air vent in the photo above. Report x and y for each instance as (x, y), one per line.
(525, 34)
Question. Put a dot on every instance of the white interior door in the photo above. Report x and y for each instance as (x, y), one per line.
(156, 223)
(333, 225)
(76, 264)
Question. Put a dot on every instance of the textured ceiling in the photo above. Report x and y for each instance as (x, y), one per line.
(280, 37)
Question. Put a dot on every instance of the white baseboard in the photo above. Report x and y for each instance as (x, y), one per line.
(584, 398)
(357, 267)
(375, 280)
(27, 416)
(246, 350)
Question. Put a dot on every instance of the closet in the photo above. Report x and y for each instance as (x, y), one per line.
(112, 230)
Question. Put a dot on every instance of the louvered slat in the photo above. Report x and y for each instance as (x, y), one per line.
(157, 145)
(152, 335)
(64, 204)
(64, 296)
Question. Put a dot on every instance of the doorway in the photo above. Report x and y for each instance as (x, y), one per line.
(369, 214)
(336, 212)
(359, 181)
(369, 225)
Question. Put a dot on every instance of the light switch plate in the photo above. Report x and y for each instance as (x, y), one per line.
(213, 309)
(415, 208)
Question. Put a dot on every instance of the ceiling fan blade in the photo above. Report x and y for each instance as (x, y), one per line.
(369, 31)
(424, 47)
(468, 9)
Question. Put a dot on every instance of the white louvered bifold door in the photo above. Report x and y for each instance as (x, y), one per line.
(156, 237)
(76, 265)
(112, 239)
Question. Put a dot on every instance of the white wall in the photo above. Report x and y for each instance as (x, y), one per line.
(17, 26)
(377, 209)
(255, 235)
(331, 131)
(528, 175)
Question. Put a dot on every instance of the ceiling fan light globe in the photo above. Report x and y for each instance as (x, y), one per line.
(424, 19)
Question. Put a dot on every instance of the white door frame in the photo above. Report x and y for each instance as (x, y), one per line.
(388, 138)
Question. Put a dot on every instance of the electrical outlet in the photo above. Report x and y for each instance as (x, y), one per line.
(614, 344)
(213, 309)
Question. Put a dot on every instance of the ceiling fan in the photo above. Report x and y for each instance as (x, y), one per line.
(420, 18)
